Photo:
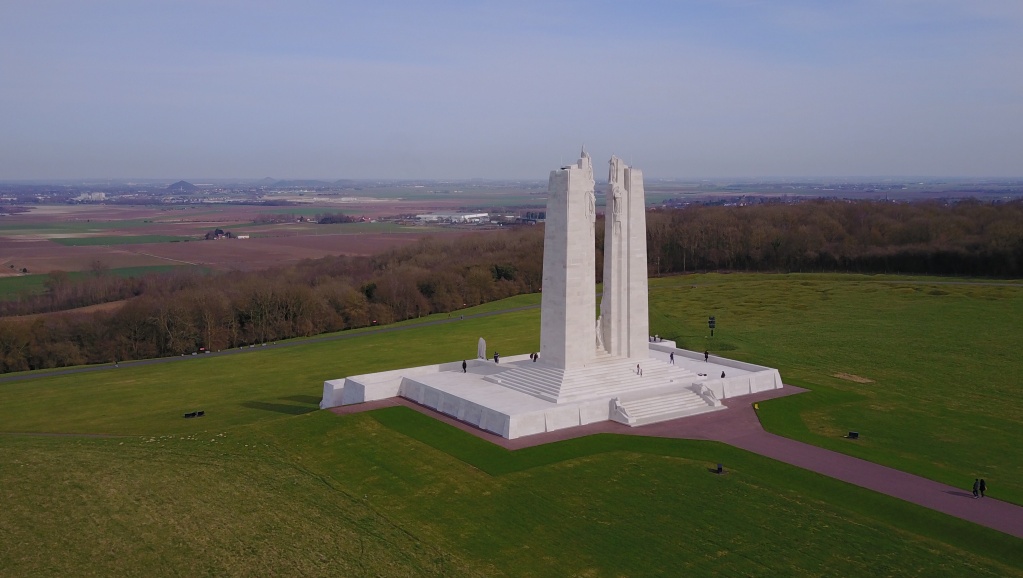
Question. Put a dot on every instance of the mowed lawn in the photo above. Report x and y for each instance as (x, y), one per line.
(266, 484)
(943, 359)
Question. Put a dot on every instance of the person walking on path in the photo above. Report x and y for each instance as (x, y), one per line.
(671, 358)
(976, 488)
(639, 370)
(983, 487)
(497, 357)
(463, 366)
(706, 356)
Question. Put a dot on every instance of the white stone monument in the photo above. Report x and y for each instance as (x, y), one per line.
(590, 368)
(568, 302)
(625, 319)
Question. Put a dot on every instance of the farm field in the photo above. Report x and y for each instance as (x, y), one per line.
(13, 285)
(265, 483)
(71, 237)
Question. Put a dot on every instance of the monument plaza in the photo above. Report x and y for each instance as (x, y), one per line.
(590, 367)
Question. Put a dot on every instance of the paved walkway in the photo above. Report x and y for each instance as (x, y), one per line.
(739, 426)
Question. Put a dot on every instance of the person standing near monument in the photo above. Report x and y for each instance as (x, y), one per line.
(497, 357)
(706, 356)
(464, 366)
(671, 358)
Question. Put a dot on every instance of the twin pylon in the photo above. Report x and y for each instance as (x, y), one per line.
(572, 335)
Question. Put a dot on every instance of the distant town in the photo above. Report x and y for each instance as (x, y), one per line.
(297, 192)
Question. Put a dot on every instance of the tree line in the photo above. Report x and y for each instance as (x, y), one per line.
(180, 313)
(969, 238)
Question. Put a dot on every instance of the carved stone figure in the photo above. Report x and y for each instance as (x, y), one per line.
(617, 407)
(616, 190)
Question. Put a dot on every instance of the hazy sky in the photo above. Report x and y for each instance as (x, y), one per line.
(449, 89)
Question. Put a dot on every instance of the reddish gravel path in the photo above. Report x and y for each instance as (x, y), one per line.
(739, 426)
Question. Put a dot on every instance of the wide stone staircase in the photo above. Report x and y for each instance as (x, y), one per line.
(605, 377)
(661, 406)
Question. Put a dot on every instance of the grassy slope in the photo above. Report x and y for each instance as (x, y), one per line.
(945, 398)
(280, 490)
(149, 399)
(322, 495)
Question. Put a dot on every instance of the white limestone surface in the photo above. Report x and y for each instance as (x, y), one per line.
(568, 300)
(493, 407)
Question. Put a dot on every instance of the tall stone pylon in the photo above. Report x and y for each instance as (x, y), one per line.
(568, 304)
(624, 315)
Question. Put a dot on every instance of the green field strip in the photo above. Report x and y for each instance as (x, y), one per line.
(71, 227)
(120, 240)
(11, 287)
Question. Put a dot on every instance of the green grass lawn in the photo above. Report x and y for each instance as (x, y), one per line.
(11, 287)
(266, 484)
(119, 240)
(76, 227)
(944, 401)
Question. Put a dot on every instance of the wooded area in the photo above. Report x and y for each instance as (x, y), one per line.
(173, 314)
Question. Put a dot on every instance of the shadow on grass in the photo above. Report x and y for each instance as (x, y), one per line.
(309, 399)
(279, 407)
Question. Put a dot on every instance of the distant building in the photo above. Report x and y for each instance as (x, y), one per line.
(91, 197)
(474, 218)
(533, 217)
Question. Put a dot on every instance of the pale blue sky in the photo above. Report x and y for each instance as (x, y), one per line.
(450, 89)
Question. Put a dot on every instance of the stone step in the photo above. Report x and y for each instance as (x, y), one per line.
(576, 390)
(665, 406)
(674, 415)
(604, 377)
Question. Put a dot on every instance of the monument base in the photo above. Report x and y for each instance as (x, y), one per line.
(486, 395)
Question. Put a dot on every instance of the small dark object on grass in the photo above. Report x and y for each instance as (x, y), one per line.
(853, 435)
(192, 414)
